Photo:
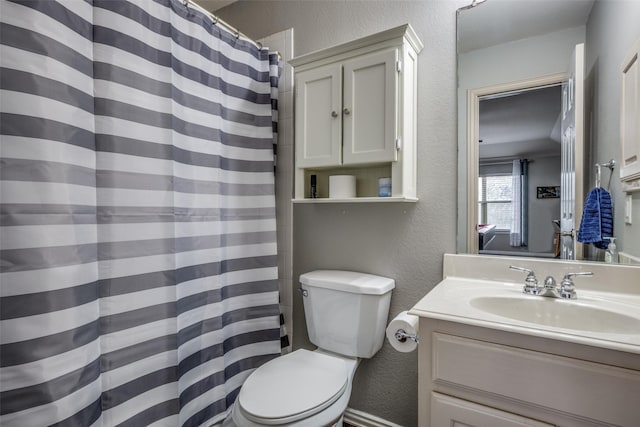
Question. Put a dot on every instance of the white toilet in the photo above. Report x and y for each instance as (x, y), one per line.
(346, 316)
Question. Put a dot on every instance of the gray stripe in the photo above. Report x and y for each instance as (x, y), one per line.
(203, 298)
(133, 318)
(13, 307)
(137, 386)
(85, 417)
(20, 81)
(229, 317)
(135, 147)
(216, 408)
(35, 170)
(140, 82)
(32, 41)
(110, 37)
(61, 14)
(12, 214)
(40, 394)
(12, 260)
(26, 259)
(204, 355)
(36, 127)
(21, 352)
(130, 180)
(122, 110)
(152, 414)
(139, 351)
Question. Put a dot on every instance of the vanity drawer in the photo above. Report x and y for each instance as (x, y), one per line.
(553, 383)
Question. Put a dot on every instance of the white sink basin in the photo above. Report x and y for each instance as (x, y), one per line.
(597, 318)
(558, 313)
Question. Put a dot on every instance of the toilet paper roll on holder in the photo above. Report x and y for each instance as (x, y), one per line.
(402, 335)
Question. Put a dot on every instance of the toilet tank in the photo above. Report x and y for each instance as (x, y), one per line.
(346, 311)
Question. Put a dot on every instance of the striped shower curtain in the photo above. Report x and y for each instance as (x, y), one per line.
(138, 259)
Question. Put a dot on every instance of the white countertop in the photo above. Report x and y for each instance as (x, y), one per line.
(455, 299)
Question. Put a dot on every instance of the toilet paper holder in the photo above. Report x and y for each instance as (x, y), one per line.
(401, 335)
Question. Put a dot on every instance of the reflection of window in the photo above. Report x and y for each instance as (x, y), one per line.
(495, 193)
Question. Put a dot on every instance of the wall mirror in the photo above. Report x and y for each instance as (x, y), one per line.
(521, 138)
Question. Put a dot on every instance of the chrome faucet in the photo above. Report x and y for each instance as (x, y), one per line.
(566, 290)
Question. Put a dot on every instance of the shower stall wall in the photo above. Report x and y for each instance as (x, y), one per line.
(138, 260)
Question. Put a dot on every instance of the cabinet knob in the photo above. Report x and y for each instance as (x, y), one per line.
(334, 114)
(346, 111)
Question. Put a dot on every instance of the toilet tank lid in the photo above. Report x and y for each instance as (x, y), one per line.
(348, 281)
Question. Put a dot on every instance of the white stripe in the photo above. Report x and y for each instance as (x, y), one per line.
(42, 325)
(161, 198)
(154, 263)
(38, 106)
(44, 150)
(132, 96)
(166, 230)
(136, 300)
(202, 173)
(185, 259)
(47, 279)
(126, 26)
(220, 391)
(170, 421)
(231, 278)
(45, 66)
(43, 370)
(126, 338)
(211, 311)
(38, 236)
(56, 411)
(214, 338)
(25, 17)
(117, 377)
(47, 193)
(136, 64)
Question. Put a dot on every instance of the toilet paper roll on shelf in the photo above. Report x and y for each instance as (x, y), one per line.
(342, 186)
(402, 332)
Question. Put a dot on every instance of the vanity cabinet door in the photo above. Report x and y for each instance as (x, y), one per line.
(450, 411)
(319, 117)
(370, 108)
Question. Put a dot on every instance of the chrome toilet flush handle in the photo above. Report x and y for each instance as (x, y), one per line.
(304, 292)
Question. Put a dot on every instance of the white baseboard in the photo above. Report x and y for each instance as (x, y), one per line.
(363, 419)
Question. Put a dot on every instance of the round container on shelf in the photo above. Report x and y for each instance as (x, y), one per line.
(342, 186)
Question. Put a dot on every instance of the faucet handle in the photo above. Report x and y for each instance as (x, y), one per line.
(567, 288)
(530, 283)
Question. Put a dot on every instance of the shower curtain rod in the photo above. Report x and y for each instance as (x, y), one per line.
(217, 21)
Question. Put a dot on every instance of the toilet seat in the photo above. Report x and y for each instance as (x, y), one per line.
(292, 387)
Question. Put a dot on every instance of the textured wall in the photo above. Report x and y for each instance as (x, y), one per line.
(611, 30)
(402, 241)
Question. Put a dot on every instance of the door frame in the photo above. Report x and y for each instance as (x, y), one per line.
(473, 135)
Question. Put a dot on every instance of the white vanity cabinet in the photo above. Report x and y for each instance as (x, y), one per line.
(355, 114)
(479, 377)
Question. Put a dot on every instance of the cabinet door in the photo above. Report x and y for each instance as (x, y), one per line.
(630, 111)
(318, 117)
(370, 108)
(449, 411)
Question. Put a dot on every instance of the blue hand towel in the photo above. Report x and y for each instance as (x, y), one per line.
(597, 219)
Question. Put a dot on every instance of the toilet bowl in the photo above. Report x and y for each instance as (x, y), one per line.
(303, 389)
(346, 314)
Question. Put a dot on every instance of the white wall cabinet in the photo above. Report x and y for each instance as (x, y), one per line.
(630, 120)
(355, 114)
